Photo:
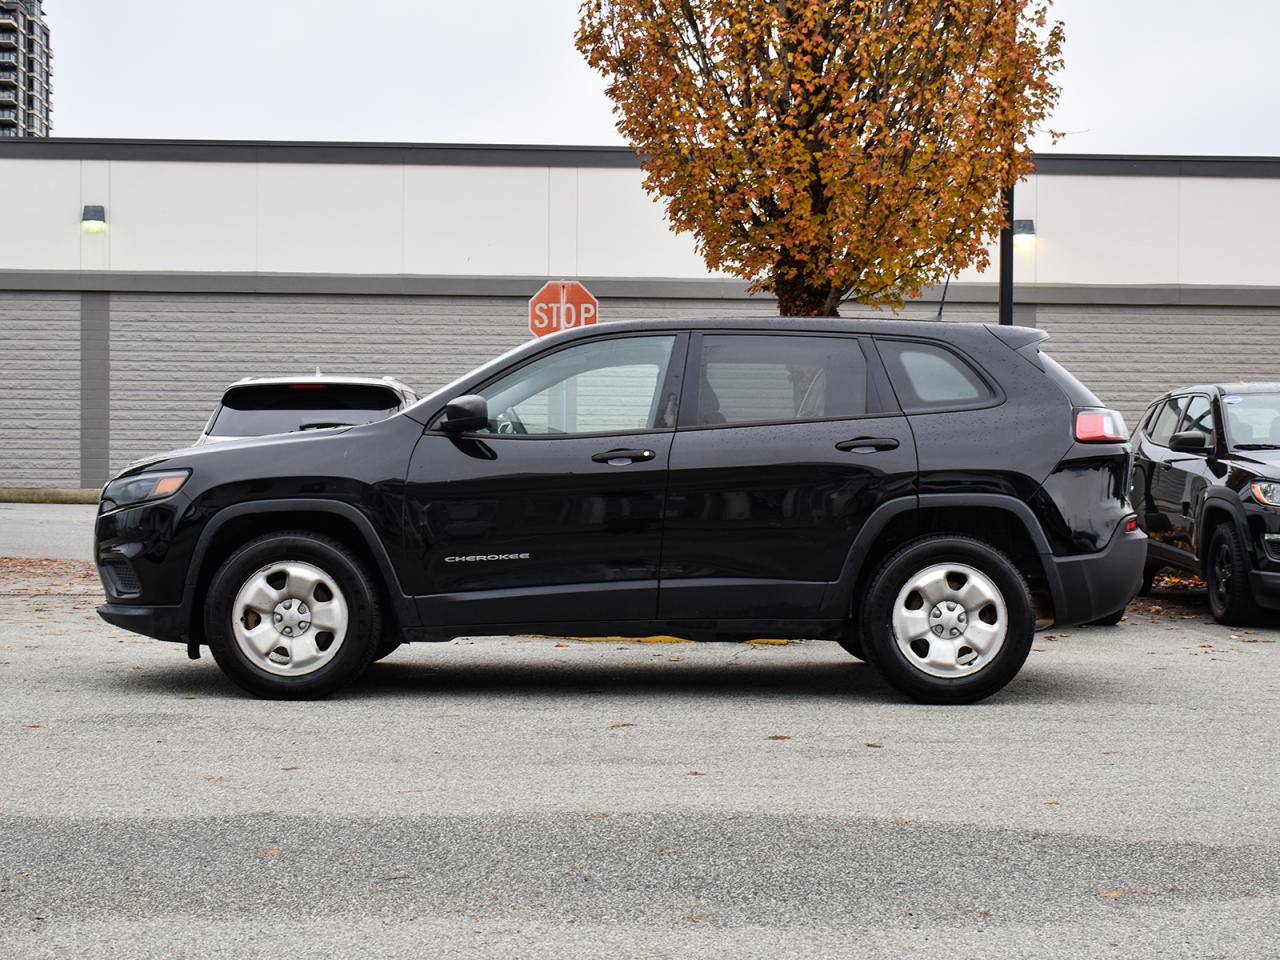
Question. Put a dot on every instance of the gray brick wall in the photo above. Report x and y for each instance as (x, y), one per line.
(1130, 355)
(40, 389)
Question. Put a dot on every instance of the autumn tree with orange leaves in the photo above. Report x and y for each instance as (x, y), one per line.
(830, 151)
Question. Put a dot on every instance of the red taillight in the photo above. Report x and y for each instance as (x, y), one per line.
(1100, 426)
(306, 386)
(1131, 525)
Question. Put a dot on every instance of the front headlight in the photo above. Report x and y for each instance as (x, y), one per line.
(1266, 491)
(142, 487)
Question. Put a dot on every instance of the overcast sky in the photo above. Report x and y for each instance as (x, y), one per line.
(1142, 76)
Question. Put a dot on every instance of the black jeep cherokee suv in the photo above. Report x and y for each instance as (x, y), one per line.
(1206, 484)
(923, 493)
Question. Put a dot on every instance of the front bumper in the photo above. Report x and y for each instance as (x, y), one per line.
(1266, 588)
(161, 623)
(1097, 584)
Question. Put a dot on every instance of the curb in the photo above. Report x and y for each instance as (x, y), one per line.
(49, 495)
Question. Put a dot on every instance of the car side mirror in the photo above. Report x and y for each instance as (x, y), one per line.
(465, 414)
(1189, 441)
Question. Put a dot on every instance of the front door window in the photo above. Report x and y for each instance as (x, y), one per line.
(601, 387)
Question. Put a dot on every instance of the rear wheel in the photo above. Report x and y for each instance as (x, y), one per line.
(948, 619)
(1226, 575)
(292, 616)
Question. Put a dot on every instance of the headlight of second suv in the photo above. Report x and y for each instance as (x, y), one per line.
(1266, 491)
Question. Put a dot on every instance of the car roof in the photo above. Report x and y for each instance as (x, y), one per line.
(389, 382)
(1259, 386)
(863, 323)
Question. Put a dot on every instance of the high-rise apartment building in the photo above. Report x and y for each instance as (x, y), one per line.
(25, 63)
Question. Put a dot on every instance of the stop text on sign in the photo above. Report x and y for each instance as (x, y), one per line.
(562, 305)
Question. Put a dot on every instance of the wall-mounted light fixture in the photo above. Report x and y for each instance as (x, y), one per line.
(94, 219)
(1024, 233)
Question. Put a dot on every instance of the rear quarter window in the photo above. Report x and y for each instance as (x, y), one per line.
(929, 377)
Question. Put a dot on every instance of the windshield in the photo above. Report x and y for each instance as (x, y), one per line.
(1253, 420)
(256, 411)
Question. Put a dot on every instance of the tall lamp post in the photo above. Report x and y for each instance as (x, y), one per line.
(1006, 261)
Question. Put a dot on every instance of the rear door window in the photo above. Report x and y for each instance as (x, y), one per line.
(257, 410)
(770, 378)
(928, 377)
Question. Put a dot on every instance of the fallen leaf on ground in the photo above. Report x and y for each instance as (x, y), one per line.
(1111, 894)
(620, 726)
(873, 744)
(696, 773)
(778, 736)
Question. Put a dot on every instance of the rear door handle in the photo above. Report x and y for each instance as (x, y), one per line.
(867, 444)
(619, 457)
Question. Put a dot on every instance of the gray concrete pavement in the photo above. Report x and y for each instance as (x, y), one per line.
(496, 797)
(60, 530)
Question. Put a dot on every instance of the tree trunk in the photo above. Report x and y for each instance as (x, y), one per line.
(798, 299)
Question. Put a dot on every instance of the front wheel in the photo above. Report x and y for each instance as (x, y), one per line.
(948, 619)
(292, 616)
(1226, 576)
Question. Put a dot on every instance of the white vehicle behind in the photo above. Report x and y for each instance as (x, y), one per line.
(258, 407)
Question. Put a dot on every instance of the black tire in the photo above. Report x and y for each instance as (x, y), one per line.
(1226, 574)
(364, 626)
(1110, 620)
(882, 648)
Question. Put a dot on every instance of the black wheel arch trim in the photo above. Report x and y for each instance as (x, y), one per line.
(840, 594)
(1230, 502)
(404, 606)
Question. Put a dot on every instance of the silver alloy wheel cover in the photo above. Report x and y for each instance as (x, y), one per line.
(286, 639)
(959, 629)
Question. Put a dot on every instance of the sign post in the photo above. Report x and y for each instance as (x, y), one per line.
(561, 305)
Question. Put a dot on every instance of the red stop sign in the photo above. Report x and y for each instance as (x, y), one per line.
(562, 305)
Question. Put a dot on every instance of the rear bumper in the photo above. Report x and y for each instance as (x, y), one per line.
(162, 623)
(1096, 584)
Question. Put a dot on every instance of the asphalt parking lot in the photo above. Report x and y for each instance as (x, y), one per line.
(543, 798)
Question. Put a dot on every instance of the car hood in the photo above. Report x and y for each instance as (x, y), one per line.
(277, 443)
(1265, 462)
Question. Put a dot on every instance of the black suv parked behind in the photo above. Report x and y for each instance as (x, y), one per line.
(1206, 484)
(923, 493)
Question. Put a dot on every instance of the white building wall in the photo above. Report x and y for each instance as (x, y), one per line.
(392, 219)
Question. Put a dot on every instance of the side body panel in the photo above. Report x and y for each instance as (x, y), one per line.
(503, 528)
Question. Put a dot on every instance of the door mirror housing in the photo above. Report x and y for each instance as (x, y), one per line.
(1189, 441)
(465, 414)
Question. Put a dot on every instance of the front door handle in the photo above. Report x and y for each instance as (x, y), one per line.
(619, 457)
(867, 444)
